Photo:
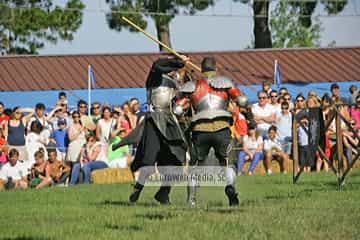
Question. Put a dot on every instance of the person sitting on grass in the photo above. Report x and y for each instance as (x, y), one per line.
(56, 170)
(38, 177)
(93, 157)
(252, 150)
(14, 173)
(273, 151)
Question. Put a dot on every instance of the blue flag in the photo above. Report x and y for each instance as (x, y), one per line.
(92, 77)
(277, 74)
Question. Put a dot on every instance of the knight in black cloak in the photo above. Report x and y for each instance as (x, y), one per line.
(161, 140)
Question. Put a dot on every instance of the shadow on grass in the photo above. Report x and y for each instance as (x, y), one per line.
(25, 238)
(126, 203)
(130, 228)
(155, 216)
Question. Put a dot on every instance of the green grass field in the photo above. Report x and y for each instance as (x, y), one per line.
(271, 208)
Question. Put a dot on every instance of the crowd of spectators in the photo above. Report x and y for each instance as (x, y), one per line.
(267, 132)
(39, 149)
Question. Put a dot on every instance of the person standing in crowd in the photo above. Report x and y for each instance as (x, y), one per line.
(335, 93)
(274, 101)
(121, 157)
(96, 112)
(273, 151)
(33, 142)
(14, 173)
(300, 103)
(283, 91)
(58, 112)
(306, 162)
(3, 152)
(77, 139)
(354, 92)
(252, 150)
(93, 157)
(4, 119)
(287, 98)
(283, 124)
(16, 130)
(355, 112)
(60, 138)
(86, 120)
(264, 114)
(135, 109)
(43, 120)
(266, 87)
(105, 126)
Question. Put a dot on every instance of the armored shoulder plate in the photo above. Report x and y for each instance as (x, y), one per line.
(220, 82)
(188, 87)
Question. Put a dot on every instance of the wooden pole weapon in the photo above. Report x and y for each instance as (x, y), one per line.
(159, 42)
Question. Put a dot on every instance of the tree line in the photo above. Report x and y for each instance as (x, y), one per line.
(25, 25)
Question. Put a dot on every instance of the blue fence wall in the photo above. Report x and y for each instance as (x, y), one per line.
(118, 96)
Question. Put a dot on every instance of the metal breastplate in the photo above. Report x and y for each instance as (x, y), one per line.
(160, 98)
(211, 102)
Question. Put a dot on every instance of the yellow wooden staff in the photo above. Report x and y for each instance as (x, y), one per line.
(158, 42)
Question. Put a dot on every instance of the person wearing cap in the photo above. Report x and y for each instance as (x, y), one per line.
(60, 137)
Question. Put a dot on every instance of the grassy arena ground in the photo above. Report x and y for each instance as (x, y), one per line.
(271, 208)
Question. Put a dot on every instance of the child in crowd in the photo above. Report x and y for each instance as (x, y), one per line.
(305, 160)
(60, 138)
(273, 151)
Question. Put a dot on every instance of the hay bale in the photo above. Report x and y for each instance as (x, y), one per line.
(2, 185)
(112, 175)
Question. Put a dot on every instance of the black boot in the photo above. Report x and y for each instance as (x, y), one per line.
(232, 195)
(162, 195)
(136, 192)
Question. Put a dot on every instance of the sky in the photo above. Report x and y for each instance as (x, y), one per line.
(196, 33)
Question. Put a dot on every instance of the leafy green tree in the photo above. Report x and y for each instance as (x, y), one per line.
(26, 24)
(286, 30)
(160, 11)
(305, 9)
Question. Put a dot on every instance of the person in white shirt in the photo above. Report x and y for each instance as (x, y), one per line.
(283, 124)
(252, 150)
(274, 100)
(273, 151)
(264, 114)
(14, 173)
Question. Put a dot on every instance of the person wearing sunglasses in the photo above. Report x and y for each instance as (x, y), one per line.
(76, 133)
(16, 130)
(264, 114)
(96, 112)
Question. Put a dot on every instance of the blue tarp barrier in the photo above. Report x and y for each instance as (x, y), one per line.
(119, 96)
